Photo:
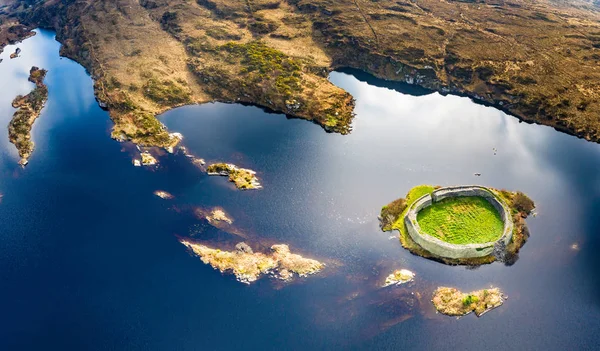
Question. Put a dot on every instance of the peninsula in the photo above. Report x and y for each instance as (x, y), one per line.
(534, 59)
(28, 110)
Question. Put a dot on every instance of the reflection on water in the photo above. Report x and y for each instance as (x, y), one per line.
(91, 258)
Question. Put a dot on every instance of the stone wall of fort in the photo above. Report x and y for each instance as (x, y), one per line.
(444, 249)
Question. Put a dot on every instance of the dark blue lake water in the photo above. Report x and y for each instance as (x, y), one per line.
(90, 260)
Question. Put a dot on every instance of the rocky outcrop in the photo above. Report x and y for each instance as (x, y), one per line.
(398, 277)
(243, 178)
(219, 218)
(452, 302)
(164, 195)
(148, 159)
(248, 265)
(15, 54)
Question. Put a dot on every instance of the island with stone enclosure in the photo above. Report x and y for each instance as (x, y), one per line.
(243, 178)
(469, 225)
(248, 266)
(28, 108)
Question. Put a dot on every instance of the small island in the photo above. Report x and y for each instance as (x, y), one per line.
(218, 218)
(164, 195)
(15, 54)
(148, 159)
(244, 179)
(248, 266)
(218, 215)
(29, 108)
(468, 225)
(452, 302)
(399, 277)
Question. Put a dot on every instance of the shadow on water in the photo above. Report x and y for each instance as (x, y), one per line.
(401, 87)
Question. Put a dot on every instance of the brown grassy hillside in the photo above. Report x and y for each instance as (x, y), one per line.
(535, 59)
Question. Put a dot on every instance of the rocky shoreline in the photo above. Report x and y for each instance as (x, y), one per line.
(399, 277)
(12, 32)
(29, 108)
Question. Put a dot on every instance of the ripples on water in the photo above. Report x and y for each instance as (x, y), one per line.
(90, 258)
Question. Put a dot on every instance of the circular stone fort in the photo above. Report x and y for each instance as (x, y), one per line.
(460, 222)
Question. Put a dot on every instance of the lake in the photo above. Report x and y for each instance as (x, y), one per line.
(90, 258)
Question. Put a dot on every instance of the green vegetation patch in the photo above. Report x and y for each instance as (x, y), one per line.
(166, 92)
(462, 220)
(263, 63)
(392, 214)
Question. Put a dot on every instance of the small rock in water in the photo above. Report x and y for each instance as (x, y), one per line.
(163, 194)
(147, 159)
(243, 178)
(452, 302)
(137, 163)
(15, 54)
(243, 247)
(398, 277)
(575, 246)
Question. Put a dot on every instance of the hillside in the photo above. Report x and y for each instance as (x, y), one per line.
(537, 60)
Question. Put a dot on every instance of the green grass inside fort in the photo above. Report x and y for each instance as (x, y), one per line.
(462, 220)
